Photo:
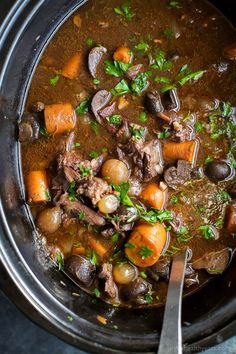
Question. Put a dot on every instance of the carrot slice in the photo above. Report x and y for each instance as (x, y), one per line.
(59, 117)
(123, 54)
(156, 195)
(145, 244)
(37, 187)
(186, 150)
(71, 68)
(100, 249)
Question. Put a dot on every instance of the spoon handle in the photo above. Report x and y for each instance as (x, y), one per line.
(171, 334)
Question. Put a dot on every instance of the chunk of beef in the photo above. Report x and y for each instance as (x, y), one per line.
(94, 188)
(133, 72)
(81, 268)
(28, 128)
(123, 134)
(94, 59)
(110, 285)
(59, 185)
(161, 269)
(75, 207)
(175, 176)
(152, 160)
(214, 262)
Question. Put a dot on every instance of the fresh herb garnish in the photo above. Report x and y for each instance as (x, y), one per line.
(96, 81)
(97, 292)
(89, 42)
(174, 5)
(48, 196)
(145, 252)
(143, 275)
(76, 145)
(140, 83)
(115, 237)
(142, 117)
(83, 107)
(94, 126)
(81, 215)
(142, 47)
(124, 11)
(121, 88)
(93, 154)
(148, 298)
(183, 230)
(129, 245)
(123, 190)
(218, 222)
(43, 131)
(72, 191)
(208, 159)
(198, 126)
(115, 119)
(191, 76)
(201, 210)
(54, 80)
(85, 171)
(207, 231)
(223, 196)
(154, 215)
(164, 134)
(174, 199)
(162, 80)
(92, 256)
(60, 260)
(70, 318)
(138, 133)
(161, 63)
(116, 68)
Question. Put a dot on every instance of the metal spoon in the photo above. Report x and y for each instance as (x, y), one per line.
(171, 334)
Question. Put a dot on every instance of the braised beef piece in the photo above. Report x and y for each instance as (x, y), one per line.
(99, 101)
(123, 134)
(182, 132)
(135, 291)
(161, 269)
(59, 185)
(214, 262)
(94, 188)
(191, 276)
(133, 72)
(28, 128)
(175, 176)
(152, 160)
(81, 268)
(110, 285)
(73, 208)
(94, 59)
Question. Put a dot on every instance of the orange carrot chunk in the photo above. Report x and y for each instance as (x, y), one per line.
(186, 150)
(59, 117)
(37, 187)
(156, 195)
(230, 219)
(99, 248)
(72, 66)
(146, 244)
(123, 54)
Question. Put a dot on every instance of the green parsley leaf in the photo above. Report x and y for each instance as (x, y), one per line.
(104, 150)
(168, 88)
(93, 154)
(97, 292)
(60, 260)
(142, 47)
(145, 252)
(124, 11)
(77, 145)
(143, 275)
(96, 81)
(121, 88)
(72, 191)
(140, 83)
(174, 199)
(168, 33)
(161, 63)
(81, 215)
(164, 134)
(207, 231)
(70, 318)
(201, 210)
(115, 119)
(89, 42)
(162, 80)
(223, 196)
(48, 196)
(154, 215)
(148, 298)
(225, 109)
(129, 245)
(85, 171)
(83, 107)
(208, 159)
(183, 230)
(123, 190)
(94, 126)
(115, 237)
(198, 126)
(174, 5)
(138, 133)
(191, 76)
(92, 256)
(143, 117)
(43, 131)
(218, 222)
(54, 80)
(116, 68)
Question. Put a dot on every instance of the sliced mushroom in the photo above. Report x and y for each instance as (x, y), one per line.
(214, 262)
(81, 268)
(133, 72)
(94, 59)
(28, 128)
(99, 101)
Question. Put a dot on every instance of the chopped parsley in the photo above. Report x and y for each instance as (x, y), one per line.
(129, 245)
(77, 145)
(94, 126)
(85, 171)
(83, 107)
(145, 252)
(124, 11)
(115, 68)
(162, 80)
(72, 191)
(148, 298)
(60, 260)
(191, 76)
(198, 126)
(48, 196)
(115, 119)
(174, 5)
(223, 196)
(115, 237)
(142, 47)
(143, 275)
(207, 231)
(208, 159)
(93, 154)
(97, 292)
(138, 133)
(54, 80)
(174, 199)
(70, 318)
(123, 190)
(164, 134)
(89, 42)
(121, 88)
(92, 256)
(154, 215)
(81, 215)
(142, 117)
(182, 230)
(161, 63)
(96, 81)
(43, 131)
(140, 83)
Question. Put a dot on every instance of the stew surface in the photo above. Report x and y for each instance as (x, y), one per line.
(128, 146)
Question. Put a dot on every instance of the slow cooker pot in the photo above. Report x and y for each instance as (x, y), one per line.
(44, 294)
